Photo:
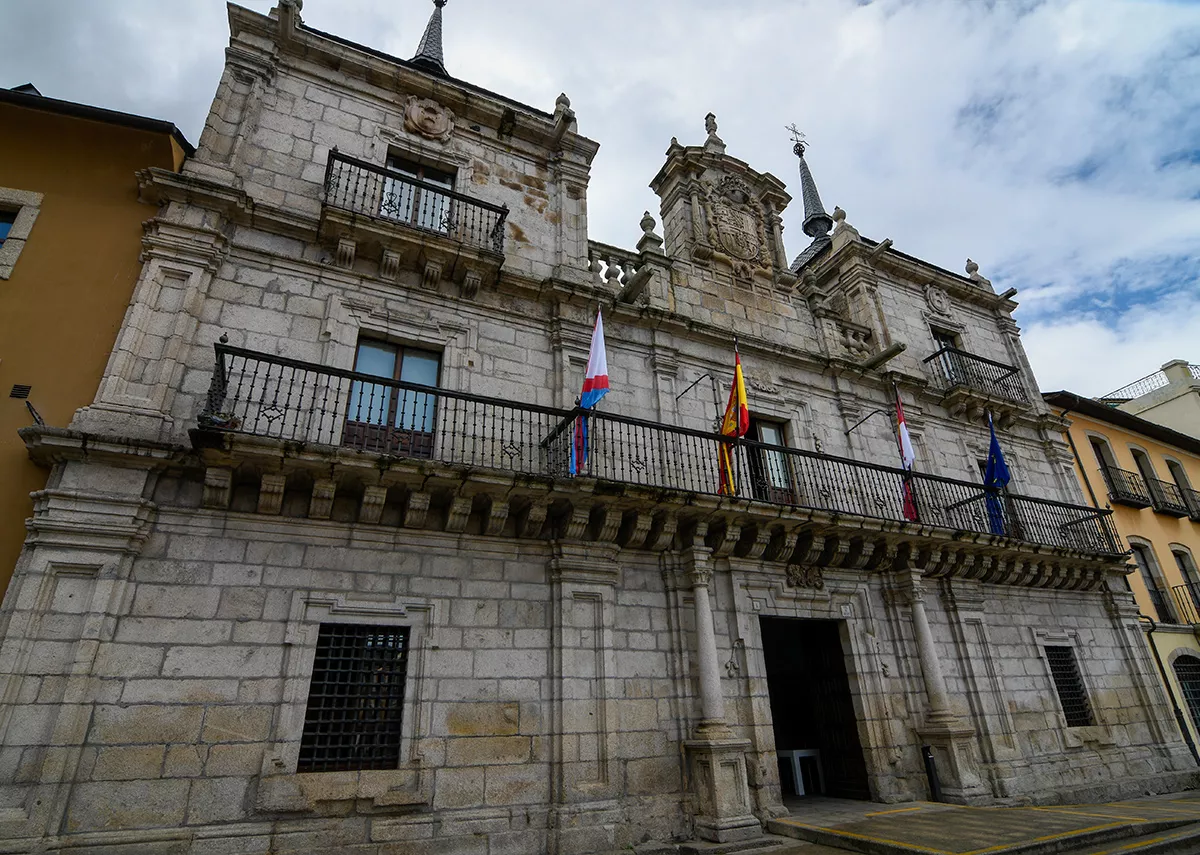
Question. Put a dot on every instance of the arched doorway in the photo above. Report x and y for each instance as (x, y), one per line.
(1187, 672)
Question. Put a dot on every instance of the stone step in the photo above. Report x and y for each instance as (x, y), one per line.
(1056, 844)
(768, 844)
(1179, 841)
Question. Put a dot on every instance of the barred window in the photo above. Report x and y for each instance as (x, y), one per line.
(355, 699)
(1071, 693)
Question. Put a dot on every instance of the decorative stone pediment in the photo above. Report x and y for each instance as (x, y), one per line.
(716, 208)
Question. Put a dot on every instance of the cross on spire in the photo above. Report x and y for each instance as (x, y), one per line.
(797, 138)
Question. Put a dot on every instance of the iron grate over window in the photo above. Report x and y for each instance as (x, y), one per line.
(1069, 684)
(1187, 672)
(355, 699)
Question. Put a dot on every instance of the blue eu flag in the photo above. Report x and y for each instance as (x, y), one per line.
(995, 479)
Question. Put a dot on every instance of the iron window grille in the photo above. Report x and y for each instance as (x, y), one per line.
(1068, 683)
(1187, 672)
(355, 699)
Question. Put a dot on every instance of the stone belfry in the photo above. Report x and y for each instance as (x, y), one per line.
(718, 211)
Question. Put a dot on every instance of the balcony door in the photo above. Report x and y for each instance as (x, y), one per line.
(946, 344)
(770, 474)
(1148, 570)
(413, 195)
(383, 417)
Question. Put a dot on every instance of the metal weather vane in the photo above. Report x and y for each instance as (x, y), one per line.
(797, 138)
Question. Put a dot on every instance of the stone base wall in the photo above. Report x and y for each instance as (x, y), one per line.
(158, 692)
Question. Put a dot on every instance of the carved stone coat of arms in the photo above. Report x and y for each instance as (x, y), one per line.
(735, 224)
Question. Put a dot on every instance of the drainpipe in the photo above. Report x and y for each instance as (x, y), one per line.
(1179, 719)
(1078, 462)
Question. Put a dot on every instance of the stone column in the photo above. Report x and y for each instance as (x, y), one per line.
(717, 759)
(953, 741)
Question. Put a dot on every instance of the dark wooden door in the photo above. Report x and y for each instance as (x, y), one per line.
(811, 705)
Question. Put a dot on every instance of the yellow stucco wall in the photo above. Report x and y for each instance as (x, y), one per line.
(1159, 530)
(63, 304)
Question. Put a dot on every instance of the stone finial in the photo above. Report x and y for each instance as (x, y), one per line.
(562, 102)
(649, 239)
(839, 216)
(298, 5)
(972, 268)
(710, 124)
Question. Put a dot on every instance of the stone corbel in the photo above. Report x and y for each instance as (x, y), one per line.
(346, 249)
(389, 267)
(662, 531)
(604, 523)
(270, 493)
(635, 526)
(218, 487)
(431, 275)
(532, 518)
(458, 514)
(497, 515)
(373, 500)
(415, 509)
(723, 538)
(470, 284)
(321, 505)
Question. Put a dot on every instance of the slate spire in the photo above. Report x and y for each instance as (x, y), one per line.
(429, 51)
(816, 221)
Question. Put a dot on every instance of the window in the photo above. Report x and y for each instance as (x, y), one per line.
(1069, 685)
(1191, 499)
(387, 417)
(1188, 604)
(770, 473)
(1104, 455)
(943, 339)
(355, 699)
(7, 218)
(19, 210)
(419, 197)
(1147, 568)
(1187, 672)
(948, 361)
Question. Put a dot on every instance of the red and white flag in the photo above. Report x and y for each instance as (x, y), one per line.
(907, 458)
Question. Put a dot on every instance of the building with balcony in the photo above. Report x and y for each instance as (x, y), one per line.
(312, 570)
(1145, 473)
(69, 244)
(1169, 397)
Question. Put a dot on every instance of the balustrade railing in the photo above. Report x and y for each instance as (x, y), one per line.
(1187, 602)
(611, 265)
(268, 396)
(1167, 498)
(953, 368)
(1193, 500)
(1126, 488)
(364, 188)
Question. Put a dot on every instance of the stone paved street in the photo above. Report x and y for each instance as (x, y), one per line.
(1167, 823)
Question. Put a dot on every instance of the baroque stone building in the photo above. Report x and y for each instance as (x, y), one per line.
(311, 572)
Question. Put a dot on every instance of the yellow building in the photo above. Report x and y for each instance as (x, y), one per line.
(70, 235)
(1147, 473)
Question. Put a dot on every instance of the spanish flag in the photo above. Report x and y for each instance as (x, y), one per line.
(735, 424)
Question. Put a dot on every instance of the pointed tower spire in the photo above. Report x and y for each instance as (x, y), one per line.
(429, 51)
(816, 221)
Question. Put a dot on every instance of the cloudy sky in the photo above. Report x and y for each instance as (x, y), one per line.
(1057, 143)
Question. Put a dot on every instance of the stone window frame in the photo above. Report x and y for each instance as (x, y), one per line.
(1073, 737)
(409, 783)
(27, 204)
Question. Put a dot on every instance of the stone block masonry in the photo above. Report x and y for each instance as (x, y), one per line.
(527, 661)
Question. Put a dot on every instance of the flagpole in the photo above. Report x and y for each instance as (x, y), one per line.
(907, 477)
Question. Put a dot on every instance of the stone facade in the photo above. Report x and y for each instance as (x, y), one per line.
(586, 668)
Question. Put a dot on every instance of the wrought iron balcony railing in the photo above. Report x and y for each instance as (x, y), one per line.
(267, 396)
(1126, 488)
(363, 188)
(1193, 500)
(1167, 498)
(953, 368)
(1187, 602)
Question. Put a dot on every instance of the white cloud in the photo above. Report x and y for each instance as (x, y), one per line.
(1028, 134)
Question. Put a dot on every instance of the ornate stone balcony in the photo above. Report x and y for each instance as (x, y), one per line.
(317, 439)
(971, 384)
(371, 212)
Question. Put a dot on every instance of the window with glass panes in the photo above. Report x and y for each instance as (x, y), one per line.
(7, 218)
(770, 472)
(393, 418)
(1144, 561)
